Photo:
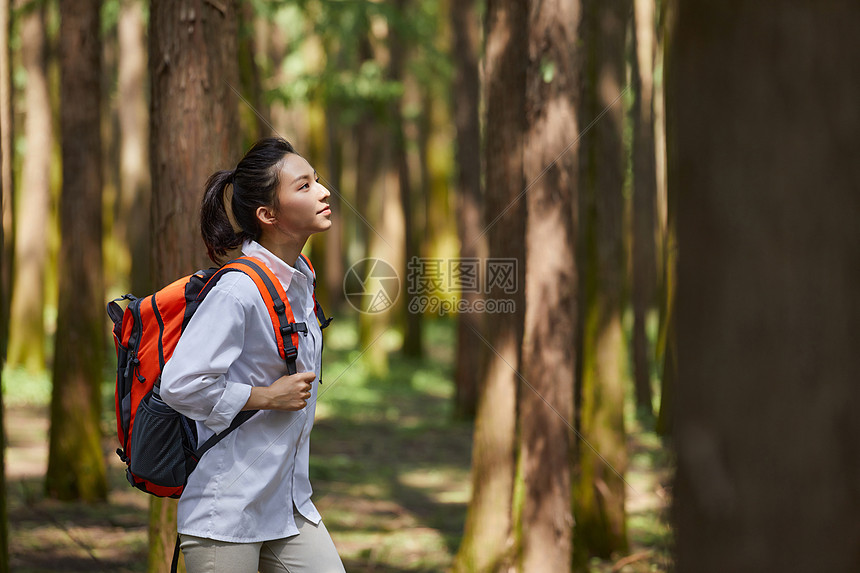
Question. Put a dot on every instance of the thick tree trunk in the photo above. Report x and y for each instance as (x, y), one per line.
(194, 132)
(768, 318)
(599, 491)
(644, 197)
(135, 189)
(194, 122)
(465, 32)
(27, 338)
(487, 541)
(76, 467)
(546, 402)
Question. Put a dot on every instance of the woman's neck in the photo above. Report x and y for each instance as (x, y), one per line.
(288, 251)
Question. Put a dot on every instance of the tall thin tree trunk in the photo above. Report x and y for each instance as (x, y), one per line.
(600, 489)
(644, 197)
(135, 189)
(546, 403)
(76, 467)
(194, 132)
(488, 537)
(334, 237)
(27, 338)
(5, 180)
(412, 339)
(667, 339)
(7, 183)
(768, 437)
(465, 28)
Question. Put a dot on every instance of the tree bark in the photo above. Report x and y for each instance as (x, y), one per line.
(466, 92)
(76, 467)
(487, 540)
(194, 131)
(135, 187)
(644, 197)
(546, 401)
(5, 180)
(599, 491)
(667, 339)
(7, 183)
(767, 433)
(194, 122)
(27, 338)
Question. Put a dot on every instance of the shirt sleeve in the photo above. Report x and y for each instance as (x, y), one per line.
(194, 380)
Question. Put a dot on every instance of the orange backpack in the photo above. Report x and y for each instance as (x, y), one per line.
(158, 444)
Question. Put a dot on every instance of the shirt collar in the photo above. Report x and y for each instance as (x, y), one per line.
(282, 270)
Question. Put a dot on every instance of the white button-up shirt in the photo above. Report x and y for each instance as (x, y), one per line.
(246, 487)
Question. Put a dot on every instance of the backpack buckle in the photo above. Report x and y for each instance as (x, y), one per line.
(295, 327)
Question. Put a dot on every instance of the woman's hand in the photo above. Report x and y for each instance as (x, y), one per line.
(287, 393)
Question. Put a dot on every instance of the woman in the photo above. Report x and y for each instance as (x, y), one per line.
(247, 506)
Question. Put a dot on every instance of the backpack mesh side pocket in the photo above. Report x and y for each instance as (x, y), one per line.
(157, 451)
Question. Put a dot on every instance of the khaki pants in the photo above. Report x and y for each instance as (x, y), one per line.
(310, 551)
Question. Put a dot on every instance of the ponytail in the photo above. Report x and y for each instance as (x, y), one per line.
(225, 225)
(218, 233)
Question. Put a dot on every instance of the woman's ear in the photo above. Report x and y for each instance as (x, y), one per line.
(266, 215)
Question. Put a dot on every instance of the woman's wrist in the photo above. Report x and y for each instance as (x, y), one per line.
(259, 399)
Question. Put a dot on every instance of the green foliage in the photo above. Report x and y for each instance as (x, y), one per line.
(350, 78)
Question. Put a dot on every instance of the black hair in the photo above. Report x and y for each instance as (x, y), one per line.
(255, 182)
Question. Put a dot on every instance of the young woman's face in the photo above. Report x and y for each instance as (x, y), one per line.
(301, 204)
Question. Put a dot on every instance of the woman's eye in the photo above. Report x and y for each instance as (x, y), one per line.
(305, 186)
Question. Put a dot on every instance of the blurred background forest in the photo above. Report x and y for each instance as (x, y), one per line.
(526, 170)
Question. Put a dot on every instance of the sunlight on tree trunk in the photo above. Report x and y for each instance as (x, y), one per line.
(5, 138)
(7, 185)
(546, 397)
(133, 214)
(644, 197)
(27, 336)
(599, 491)
(487, 543)
(194, 132)
(76, 467)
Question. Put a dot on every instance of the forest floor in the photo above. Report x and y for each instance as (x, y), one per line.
(390, 471)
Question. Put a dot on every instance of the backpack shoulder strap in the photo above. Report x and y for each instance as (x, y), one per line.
(275, 298)
(318, 310)
(283, 321)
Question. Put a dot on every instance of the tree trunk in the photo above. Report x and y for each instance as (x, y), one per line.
(465, 28)
(644, 197)
(768, 318)
(386, 236)
(7, 184)
(599, 492)
(254, 112)
(76, 467)
(486, 543)
(546, 401)
(5, 157)
(194, 123)
(194, 132)
(332, 283)
(412, 339)
(135, 189)
(666, 339)
(27, 338)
